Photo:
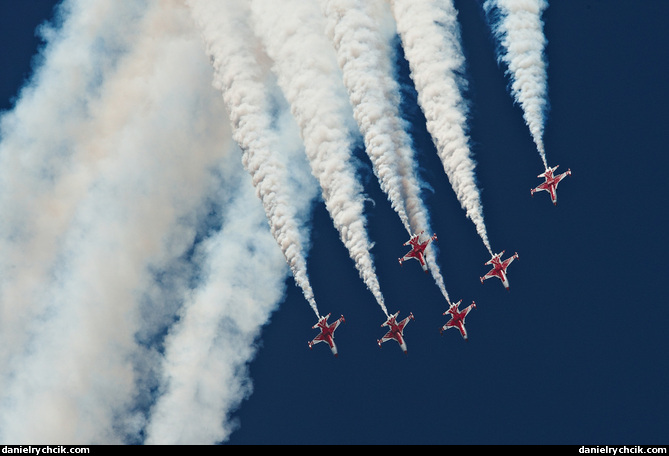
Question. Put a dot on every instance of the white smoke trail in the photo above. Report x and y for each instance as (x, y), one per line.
(85, 364)
(363, 54)
(363, 59)
(431, 40)
(519, 29)
(307, 72)
(50, 150)
(237, 75)
(206, 352)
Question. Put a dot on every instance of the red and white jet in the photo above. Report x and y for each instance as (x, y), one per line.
(396, 330)
(327, 332)
(499, 268)
(417, 249)
(551, 183)
(457, 318)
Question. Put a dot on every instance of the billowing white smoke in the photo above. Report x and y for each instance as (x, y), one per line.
(363, 54)
(366, 69)
(50, 152)
(518, 27)
(204, 375)
(230, 45)
(111, 162)
(292, 32)
(430, 37)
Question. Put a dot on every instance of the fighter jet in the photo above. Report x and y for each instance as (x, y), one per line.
(396, 330)
(499, 268)
(551, 183)
(457, 318)
(327, 332)
(417, 249)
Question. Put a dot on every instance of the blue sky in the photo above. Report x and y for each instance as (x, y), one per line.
(574, 353)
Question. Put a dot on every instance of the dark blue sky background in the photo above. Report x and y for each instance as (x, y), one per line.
(576, 352)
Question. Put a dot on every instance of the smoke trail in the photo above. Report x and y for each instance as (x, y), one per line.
(85, 371)
(204, 373)
(365, 67)
(431, 40)
(307, 72)
(519, 29)
(363, 54)
(237, 75)
(50, 150)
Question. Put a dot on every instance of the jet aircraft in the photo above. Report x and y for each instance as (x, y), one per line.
(457, 318)
(396, 330)
(499, 268)
(327, 332)
(551, 182)
(417, 249)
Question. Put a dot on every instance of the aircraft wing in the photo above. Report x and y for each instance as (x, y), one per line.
(404, 322)
(409, 256)
(468, 309)
(562, 176)
(336, 324)
(387, 336)
(492, 273)
(541, 186)
(451, 323)
(320, 337)
(507, 262)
